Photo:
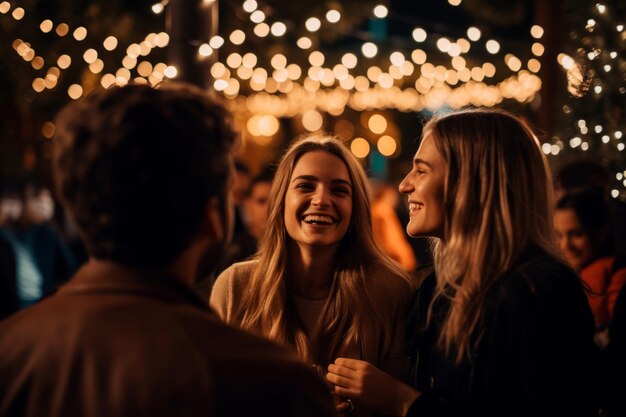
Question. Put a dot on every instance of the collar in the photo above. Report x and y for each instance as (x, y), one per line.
(101, 276)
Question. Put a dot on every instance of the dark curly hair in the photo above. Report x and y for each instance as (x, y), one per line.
(136, 166)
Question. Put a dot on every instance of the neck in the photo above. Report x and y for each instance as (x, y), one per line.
(312, 269)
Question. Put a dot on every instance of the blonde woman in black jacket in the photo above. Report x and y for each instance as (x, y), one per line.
(503, 329)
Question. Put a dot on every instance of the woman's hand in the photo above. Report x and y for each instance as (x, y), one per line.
(365, 384)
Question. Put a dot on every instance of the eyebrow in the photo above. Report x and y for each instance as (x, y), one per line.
(418, 161)
(314, 178)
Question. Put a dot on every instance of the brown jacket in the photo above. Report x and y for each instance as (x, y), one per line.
(118, 342)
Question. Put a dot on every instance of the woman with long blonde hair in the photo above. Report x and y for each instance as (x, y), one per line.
(502, 327)
(320, 283)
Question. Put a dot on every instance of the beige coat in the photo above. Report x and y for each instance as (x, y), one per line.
(392, 293)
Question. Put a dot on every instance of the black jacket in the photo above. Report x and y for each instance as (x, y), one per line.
(535, 355)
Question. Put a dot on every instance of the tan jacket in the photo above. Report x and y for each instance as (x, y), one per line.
(392, 293)
(118, 342)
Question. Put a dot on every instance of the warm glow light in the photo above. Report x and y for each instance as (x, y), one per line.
(249, 60)
(419, 35)
(157, 8)
(90, 55)
(64, 61)
(369, 49)
(234, 60)
(360, 147)
(48, 129)
(262, 30)
(257, 16)
(18, 14)
(312, 120)
(380, 11)
(534, 65)
(107, 80)
(62, 29)
(144, 68)
(304, 43)
(46, 26)
(333, 16)
(458, 63)
(312, 24)
(279, 61)
(377, 124)
(5, 6)
(536, 31)
(513, 62)
(492, 46)
(97, 66)
(387, 145)
(443, 44)
(473, 33)
(397, 58)
(220, 85)
(293, 71)
(418, 56)
(80, 33)
(216, 42)
(110, 43)
(75, 91)
(263, 125)
(316, 59)
(237, 37)
(278, 29)
(349, 60)
(37, 63)
(170, 71)
(250, 5)
(162, 40)
(205, 50)
(454, 2)
(39, 85)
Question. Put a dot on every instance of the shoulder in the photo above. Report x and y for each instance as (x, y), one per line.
(384, 280)
(541, 281)
(230, 285)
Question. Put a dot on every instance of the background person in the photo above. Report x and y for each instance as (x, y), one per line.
(503, 329)
(320, 284)
(146, 173)
(36, 260)
(583, 227)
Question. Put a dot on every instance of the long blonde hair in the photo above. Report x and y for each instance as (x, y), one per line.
(267, 305)
(498, 204)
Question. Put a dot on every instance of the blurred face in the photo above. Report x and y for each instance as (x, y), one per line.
(318, 202)
(574, 241)
(424, 186)
(241, 182)
(256, 207)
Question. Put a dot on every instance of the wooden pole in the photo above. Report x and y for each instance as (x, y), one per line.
(190, 23)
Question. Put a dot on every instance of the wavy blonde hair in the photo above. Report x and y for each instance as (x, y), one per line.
(498, 204)
(267, 305)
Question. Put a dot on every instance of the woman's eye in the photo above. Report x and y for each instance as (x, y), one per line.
(342, 191)
(305, 186)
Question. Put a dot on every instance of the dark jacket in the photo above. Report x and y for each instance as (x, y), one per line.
(118, 342)
(535, 355)
(614, 362)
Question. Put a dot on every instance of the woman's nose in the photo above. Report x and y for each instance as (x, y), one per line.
(405, 185)
(321, 197)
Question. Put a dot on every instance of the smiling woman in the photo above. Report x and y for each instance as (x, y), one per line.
(320, 284)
